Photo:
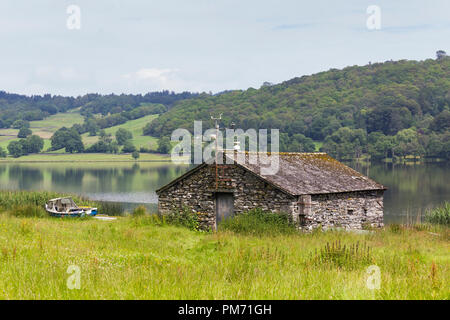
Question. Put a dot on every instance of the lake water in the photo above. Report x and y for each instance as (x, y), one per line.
(412, 188)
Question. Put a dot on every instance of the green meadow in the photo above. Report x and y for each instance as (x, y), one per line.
(43, 128)
(135, 127)
(47, 127)
(144, 257)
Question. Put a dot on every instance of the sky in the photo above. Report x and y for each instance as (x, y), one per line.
(131, 46)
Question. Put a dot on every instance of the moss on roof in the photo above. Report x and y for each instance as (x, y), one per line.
(302, 173)
(312, 173)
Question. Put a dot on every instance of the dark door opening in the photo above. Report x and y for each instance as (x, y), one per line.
(224, 206)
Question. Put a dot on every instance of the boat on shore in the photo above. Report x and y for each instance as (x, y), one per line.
(66, 207)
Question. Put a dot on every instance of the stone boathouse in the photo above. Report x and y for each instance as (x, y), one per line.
(314, 188)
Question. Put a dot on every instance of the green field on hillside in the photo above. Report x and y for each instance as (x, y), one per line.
(43, 128)
(135, 126)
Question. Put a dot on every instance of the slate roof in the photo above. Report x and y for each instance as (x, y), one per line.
(304, 173)
(313, 173)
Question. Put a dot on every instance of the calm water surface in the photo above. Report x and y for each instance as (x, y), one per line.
(412, 188)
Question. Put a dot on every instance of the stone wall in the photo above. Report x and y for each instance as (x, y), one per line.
(351, 210)
(197, 192)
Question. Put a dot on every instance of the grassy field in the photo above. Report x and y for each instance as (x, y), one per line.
(43, 128)
(132, 258)
(135, 126)
(86, 157)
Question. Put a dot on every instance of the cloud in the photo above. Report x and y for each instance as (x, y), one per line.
(292, 26)
(160, 77)
(155, 79)
(55, 74)
(410, 28)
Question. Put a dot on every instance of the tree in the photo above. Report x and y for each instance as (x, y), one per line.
(90, 125)
(3, 153)
(441, 54)
(20, 124)
(24, 132)
(122, 135)
(67, 138)
(135, 155)
(99, 147)
(32, 144)
(434, 146)
(105, 137)
(74, 145)
(164, 145)
(441, 122)
(380, 145)
(128, 147)
(346, 143)
(300, 143)
(407, 143)
(15, 149)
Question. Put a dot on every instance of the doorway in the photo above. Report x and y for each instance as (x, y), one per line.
(224, 206)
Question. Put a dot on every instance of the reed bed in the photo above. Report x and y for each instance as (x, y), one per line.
(439, 215)
(21, 202)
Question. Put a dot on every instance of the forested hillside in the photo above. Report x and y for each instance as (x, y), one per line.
(15, 107)
(385, 109)
(51, 123)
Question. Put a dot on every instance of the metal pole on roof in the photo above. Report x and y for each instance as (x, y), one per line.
(217, 148)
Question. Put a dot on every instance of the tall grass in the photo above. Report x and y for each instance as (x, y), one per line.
(109, 208)
(28, 210)
(133, 258)
(24, 201)
(343, 256)
(440, 215)
(259, 222)
(9, 199)
(253, 256)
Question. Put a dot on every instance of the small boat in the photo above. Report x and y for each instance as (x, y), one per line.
(66, 207)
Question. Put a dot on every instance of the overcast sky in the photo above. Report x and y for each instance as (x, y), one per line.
(131, 46)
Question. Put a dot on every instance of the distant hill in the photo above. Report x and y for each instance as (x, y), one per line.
(91, 112)
(360, 103)
(391, 109)
(15, 107)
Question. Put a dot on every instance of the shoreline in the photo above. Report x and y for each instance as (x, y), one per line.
(86, 157)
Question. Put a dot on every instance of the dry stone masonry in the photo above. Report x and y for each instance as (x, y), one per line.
(353, 202)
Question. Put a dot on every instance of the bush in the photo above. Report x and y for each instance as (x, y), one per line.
(139, 211)
(440, 215)
(135, 155)
(184, 218)
(259, 222)
(128, 147)
(3, 153)
(144, 150)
